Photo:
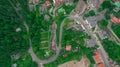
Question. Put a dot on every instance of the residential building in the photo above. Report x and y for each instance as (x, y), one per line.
(47, 3)
(101, 65)
(68, 48)
(98, 59)
(94, 3)
(116, 20)
(42, 8)
(80, 8)
(58, 2)
(46, 17)
(103, 34)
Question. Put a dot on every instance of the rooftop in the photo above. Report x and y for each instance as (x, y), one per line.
(47, 3)
(68, 48)
(101, 65)
(81, 6)
(58, 2)
(116, 20)
(97, 57)
(94, 3)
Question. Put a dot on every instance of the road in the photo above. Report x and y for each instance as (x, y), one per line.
(34, 57)
(94, 37)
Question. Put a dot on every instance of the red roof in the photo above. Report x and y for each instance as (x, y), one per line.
(65, 55)
(116, 20)
(47, 3)
(101, 65)
(68, 48)
(97, 57)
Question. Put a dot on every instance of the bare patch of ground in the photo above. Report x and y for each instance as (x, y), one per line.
(84, 62)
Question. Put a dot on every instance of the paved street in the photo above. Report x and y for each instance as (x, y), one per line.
(94, 37)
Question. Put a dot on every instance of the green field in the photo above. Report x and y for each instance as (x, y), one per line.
(42, 46)
(116, 29)
(112, 49)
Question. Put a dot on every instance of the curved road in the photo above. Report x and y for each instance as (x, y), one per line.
(94, 37)
(35, 58)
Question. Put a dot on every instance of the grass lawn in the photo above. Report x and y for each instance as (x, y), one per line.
(112, 49)
(41, 48)
(102, 24)
(44, 44)
(58, 22)
(116, 29)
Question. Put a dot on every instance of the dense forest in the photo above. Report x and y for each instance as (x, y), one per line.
(12, 41)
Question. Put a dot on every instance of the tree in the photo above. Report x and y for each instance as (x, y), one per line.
(92, 13)
(102, 24)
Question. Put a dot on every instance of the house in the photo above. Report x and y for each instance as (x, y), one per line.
(46, 17)
(69, 2)
(68, 48)
(116, 20)
(65, 55)
(18, 29)
(47, 3)
(31, 7)
(42, 9)
(101, 65)
(58, 2)
(94, 3)
(97, 57)
(103, 34)
(80, 8)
